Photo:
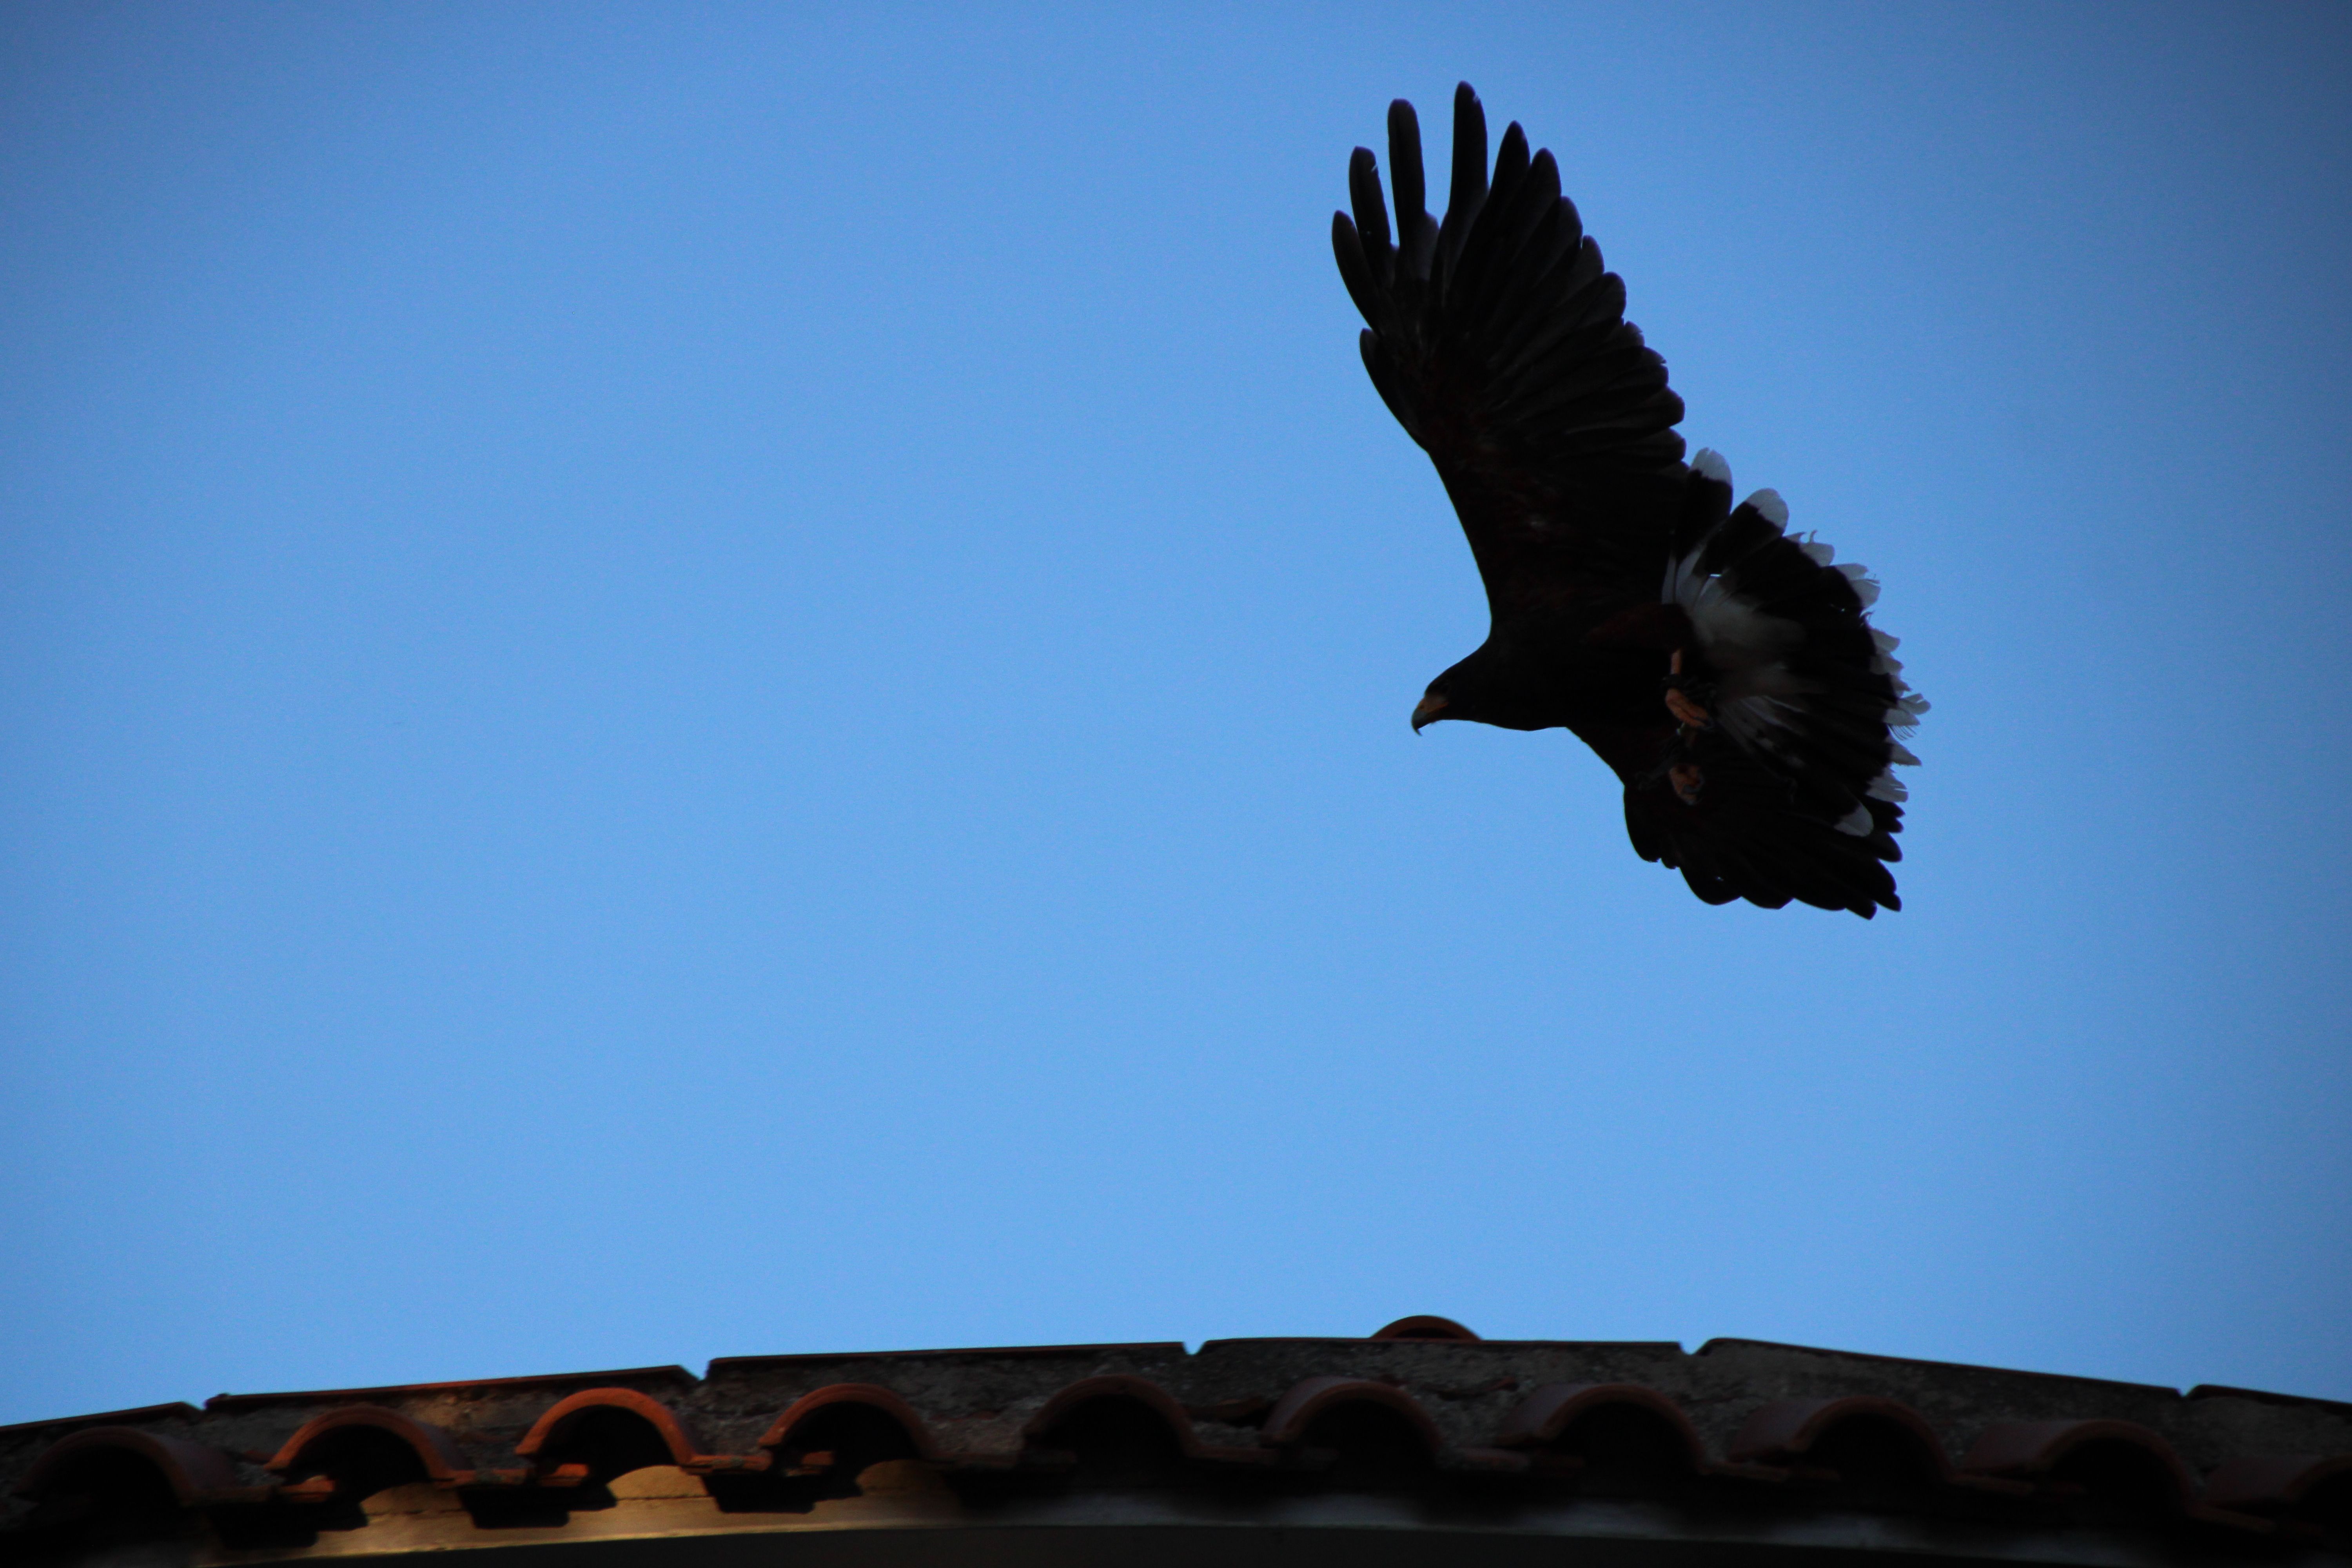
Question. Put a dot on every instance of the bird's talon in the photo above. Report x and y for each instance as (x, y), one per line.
(1687, 781)
(1689, 711)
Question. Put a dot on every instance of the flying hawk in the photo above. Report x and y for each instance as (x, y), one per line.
(1726, 669)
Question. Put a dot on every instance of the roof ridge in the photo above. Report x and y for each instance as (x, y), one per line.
(533, 1380)
(1729, 1341)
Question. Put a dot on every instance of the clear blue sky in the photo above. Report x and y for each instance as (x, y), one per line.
(695, 680)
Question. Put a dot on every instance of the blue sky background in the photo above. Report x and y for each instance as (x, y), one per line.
(680, 681)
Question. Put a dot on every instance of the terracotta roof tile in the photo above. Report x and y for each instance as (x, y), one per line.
(1771, 1439)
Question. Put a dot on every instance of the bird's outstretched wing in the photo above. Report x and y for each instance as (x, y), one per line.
(1500, 342)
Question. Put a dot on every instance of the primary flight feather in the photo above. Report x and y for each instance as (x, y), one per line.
(1727, 671)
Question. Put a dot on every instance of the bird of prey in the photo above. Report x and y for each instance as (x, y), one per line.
(1726, 669)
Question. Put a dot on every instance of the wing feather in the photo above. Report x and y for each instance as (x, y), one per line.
(1498, 339)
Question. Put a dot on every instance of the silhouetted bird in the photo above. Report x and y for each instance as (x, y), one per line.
(1727, 671)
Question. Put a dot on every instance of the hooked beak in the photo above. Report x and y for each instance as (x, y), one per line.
(1431, 709)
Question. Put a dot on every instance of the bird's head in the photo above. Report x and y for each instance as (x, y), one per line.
(1459, 693)
(1433, 705)
(1488, 688)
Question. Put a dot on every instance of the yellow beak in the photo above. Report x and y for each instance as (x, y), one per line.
(1432, 707)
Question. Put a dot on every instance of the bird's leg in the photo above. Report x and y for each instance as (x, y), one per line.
(1686, 696)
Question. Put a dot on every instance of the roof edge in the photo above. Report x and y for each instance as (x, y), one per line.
(677, 1374)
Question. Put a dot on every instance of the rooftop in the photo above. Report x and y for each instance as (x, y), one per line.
(1422, 1443)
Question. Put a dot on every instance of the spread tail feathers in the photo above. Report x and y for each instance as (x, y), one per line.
(1783, 787)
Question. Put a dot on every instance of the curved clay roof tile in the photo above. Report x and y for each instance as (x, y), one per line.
(444, 1463)
(1786, 1430)
(1426, 1327)
(1287, 1422)
(1552, 1410)
(2272, 1483)
(871, 1394)
(2031, 1450)
(1152, 1398)
(561, 1417)
(192, 1471)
